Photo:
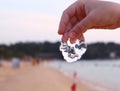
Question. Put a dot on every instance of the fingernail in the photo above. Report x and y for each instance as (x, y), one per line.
(64, 38)
(81, 37)
(60, 32)
(72, 41)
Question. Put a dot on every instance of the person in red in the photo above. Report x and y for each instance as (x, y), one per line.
(74, 85)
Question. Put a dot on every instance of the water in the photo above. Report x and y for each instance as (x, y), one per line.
(105, 73)
(73, 52)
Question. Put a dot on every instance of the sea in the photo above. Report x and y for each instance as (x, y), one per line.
(100, 75)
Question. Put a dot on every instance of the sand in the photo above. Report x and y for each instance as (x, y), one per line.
(6, 71)
(36, 78)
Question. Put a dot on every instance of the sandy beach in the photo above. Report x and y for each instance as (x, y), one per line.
(7, 71)
(41, 77)
(37, 78)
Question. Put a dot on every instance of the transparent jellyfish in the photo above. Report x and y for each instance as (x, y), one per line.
(73, 52)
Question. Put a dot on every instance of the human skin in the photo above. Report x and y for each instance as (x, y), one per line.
(88, 14)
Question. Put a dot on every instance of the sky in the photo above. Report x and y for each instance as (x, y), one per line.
(38, 20)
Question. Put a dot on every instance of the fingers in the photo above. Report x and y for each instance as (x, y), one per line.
(66, 17)
(63, 23)
(80, 37)
(65, 37)
(82, 26)
(73, 40)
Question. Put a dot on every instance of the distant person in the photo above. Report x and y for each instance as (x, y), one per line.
(34, 62)
(88, 14)
(74, 84)
(15, 63)
(73, 87)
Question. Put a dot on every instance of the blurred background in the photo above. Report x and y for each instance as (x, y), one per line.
(29, 28)
(28, 35)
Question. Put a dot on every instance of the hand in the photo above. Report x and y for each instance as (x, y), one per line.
(88, 14)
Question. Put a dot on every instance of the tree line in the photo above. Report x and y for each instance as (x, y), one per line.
(51, 50)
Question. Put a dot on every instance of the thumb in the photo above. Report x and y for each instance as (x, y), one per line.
(81, 37)
(82, 26)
